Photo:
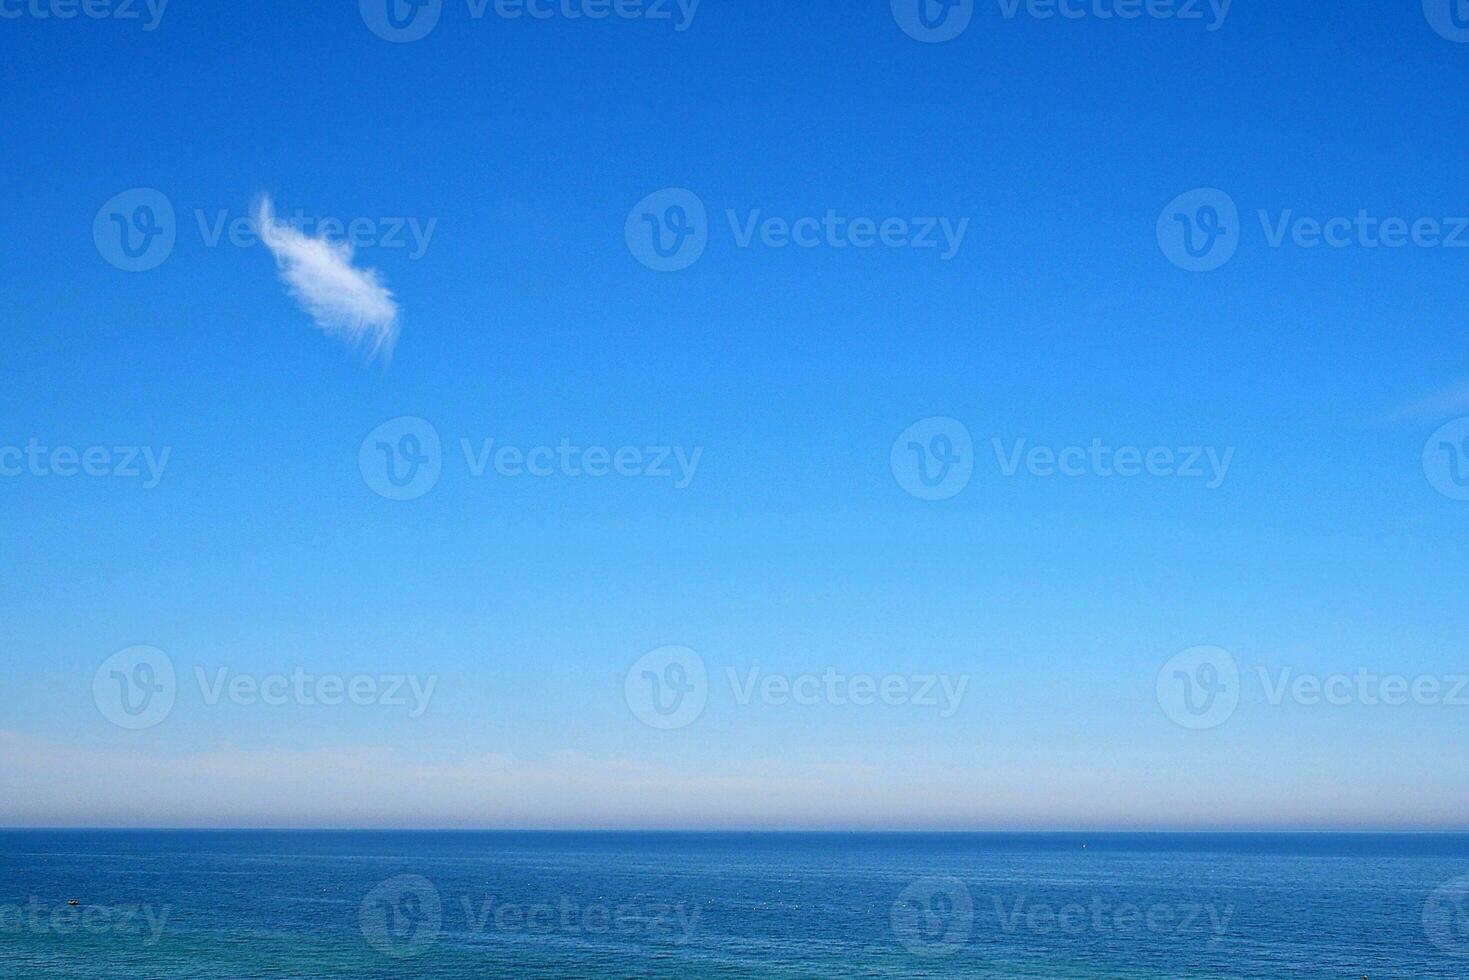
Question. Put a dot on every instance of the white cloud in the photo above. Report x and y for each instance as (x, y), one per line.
(1438, 405)
(173, 781)
(341, 299)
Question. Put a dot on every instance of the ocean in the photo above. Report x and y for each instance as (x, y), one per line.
(177, 904)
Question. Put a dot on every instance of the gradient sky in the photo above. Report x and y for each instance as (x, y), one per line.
(528, 320)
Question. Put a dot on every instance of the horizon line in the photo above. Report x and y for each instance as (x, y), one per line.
(1302, 832)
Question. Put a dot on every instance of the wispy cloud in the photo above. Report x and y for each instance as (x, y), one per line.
(340, 298)
(1434, 406)
(113, 780)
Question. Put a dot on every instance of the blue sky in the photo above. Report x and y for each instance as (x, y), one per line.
(525, 145)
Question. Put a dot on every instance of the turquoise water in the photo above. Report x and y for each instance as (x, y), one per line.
(252, 904)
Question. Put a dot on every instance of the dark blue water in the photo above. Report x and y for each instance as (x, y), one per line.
(251, 904)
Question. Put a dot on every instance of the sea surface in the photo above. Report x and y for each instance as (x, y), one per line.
(169, 904)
